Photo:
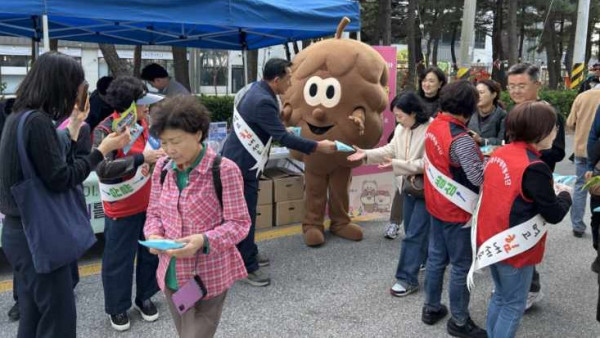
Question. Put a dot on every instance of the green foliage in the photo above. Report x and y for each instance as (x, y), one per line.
(561, 99)
(221, 107)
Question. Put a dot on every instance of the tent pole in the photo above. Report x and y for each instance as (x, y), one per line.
(245, 59)
(46, 34)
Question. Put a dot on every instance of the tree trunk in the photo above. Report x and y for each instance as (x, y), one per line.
(589, 42)
(561, 32)
(118, 67)
(412, 39)
(522, 34)
(180, 63)
(296, 48)
(453, 47)
(434, 56)
(496, 32)
(137, 61)
(54, 45)
(550, 44)
(428, 51)
(252, 65)
(288, 54)
(512, 32)
(570, 44)
(385, 15)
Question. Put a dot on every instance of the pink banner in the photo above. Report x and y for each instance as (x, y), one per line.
(389, 121)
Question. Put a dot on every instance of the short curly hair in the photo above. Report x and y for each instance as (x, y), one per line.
(124, 90)
(183, 112)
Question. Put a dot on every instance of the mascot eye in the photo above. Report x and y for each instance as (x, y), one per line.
(333, 92)
(311, 91)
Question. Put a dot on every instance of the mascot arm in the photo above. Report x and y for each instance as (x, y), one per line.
(267, 116)
(358, 117)
(406, 168)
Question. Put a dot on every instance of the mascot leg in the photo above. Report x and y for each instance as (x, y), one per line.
(339, 183)
(314, 201)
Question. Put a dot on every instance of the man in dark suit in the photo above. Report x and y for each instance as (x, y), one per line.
(257, 116)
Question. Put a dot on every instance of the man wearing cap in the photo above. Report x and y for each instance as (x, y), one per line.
(124, 186)
(158, 77)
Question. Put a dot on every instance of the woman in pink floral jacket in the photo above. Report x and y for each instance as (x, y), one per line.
(184, 207)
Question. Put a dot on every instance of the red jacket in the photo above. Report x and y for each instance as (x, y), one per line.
(503, 176)
(438, 139)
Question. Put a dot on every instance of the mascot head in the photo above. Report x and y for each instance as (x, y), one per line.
(338, 91)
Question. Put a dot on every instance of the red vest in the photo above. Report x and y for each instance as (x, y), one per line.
(438, 139)
(138, 202)
(503, 176)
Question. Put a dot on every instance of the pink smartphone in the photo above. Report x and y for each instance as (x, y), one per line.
(189, 294)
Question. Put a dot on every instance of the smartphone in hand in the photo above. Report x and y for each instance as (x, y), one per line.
(82, 96)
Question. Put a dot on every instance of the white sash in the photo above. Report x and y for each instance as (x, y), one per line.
(506, 244)
(453, 191)
(120, 191)
(251, 142)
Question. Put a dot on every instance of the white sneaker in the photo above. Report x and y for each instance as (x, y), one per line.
(532, 298)
(391, 232)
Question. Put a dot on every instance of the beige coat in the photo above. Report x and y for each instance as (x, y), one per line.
(406, 148)
(581, 118)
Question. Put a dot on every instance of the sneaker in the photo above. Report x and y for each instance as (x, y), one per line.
(400, 290)
(14, 314)
(258, 278)
(431, 317)
(120, 322)
(391, 232)
(595, 268)
(423, 267)
(532, 298)
(147, 309)
(578, 234)
(469, 330)
(262, 260)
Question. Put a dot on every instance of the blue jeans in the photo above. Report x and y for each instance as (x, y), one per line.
(247, 247)
(579, 196)
(414, 244)
(120, 249)
(449, 243)
(507, 305)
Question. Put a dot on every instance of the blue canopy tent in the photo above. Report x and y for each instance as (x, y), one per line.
(211, 24)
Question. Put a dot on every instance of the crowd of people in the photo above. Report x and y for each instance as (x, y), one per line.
(158, 180)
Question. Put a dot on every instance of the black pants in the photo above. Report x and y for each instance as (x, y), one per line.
(535, 281)
(120, 249)
(247, 247)
(74, 274)
(46, 301)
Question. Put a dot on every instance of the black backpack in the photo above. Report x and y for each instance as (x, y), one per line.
(216, 174)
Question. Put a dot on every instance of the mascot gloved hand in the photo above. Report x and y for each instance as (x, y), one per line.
(338, 92)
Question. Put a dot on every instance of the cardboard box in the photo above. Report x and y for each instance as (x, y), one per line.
(264, 216)
(265, 191)
(289, 212)
(287, 185)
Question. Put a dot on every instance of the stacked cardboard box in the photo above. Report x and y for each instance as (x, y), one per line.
(264, 209)
(288, 195)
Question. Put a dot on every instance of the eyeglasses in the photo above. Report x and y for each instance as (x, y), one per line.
(520, 87)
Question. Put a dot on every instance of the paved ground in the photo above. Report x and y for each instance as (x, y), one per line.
(341, 290)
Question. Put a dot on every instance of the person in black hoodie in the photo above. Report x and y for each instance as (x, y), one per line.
(524, 85)
(99, 108)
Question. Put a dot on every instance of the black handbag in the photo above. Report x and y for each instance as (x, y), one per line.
(414, 185)
(56, 224)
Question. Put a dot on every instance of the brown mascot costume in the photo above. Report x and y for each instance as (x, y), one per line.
(338, 92)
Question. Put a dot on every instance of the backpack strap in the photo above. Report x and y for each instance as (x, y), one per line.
(163, 171)
(216, 173)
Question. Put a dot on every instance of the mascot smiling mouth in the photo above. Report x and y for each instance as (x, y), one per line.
(318, 130)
